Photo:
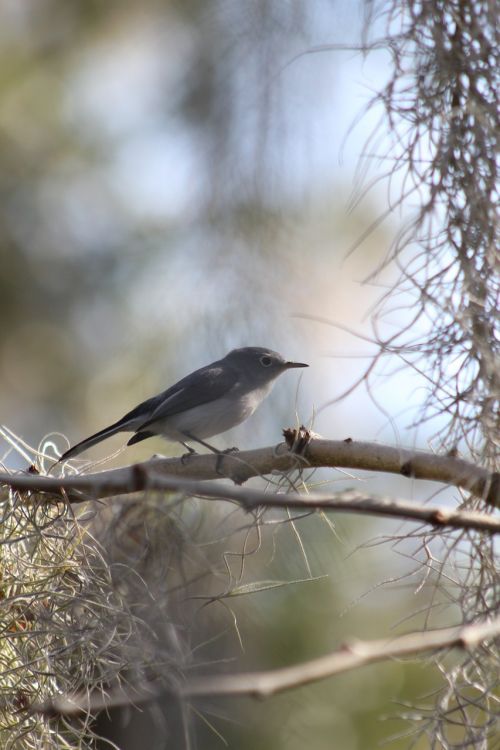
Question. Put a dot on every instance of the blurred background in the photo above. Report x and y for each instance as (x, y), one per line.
(178, 179)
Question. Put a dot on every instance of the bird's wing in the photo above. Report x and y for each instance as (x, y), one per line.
(207, 384)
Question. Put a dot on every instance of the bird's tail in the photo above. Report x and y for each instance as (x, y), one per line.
(107, 432)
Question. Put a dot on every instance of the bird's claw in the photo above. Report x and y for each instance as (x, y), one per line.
(220, 458)
(186, 456)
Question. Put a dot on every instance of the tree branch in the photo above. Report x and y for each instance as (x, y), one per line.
(351, 655)
(150, 476)
(242, 466)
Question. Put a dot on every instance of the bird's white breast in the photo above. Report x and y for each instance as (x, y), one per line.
(214, 417)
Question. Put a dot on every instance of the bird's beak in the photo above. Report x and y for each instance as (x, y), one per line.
(289, 365)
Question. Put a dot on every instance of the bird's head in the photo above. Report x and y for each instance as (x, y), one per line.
(262, 365)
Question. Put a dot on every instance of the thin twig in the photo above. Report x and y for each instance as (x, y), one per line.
(351, 655)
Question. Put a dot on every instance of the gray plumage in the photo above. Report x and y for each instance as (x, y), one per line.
(206, 402)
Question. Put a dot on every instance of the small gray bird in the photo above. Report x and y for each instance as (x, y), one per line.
(207, 402)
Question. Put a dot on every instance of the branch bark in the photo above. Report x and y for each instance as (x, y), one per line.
(242, 466)
(151, 476)
(351, 655)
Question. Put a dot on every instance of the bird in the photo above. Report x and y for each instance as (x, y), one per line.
(205, 403)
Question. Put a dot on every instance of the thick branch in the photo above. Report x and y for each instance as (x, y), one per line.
(351, 655)
(244, 465)
(263, 684)
(147, 478)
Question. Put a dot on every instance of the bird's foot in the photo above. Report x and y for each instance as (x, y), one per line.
(186, 456)
(220, 459)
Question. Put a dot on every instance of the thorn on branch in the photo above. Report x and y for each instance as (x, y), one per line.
(352, 646)
(138, 479)
(407, 469)
(440, 517)
(493, 496)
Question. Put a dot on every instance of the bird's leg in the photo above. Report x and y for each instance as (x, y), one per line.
(201, 442)
(190, 452)
(220, 454)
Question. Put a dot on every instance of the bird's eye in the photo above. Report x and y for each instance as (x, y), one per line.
(266, 361)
